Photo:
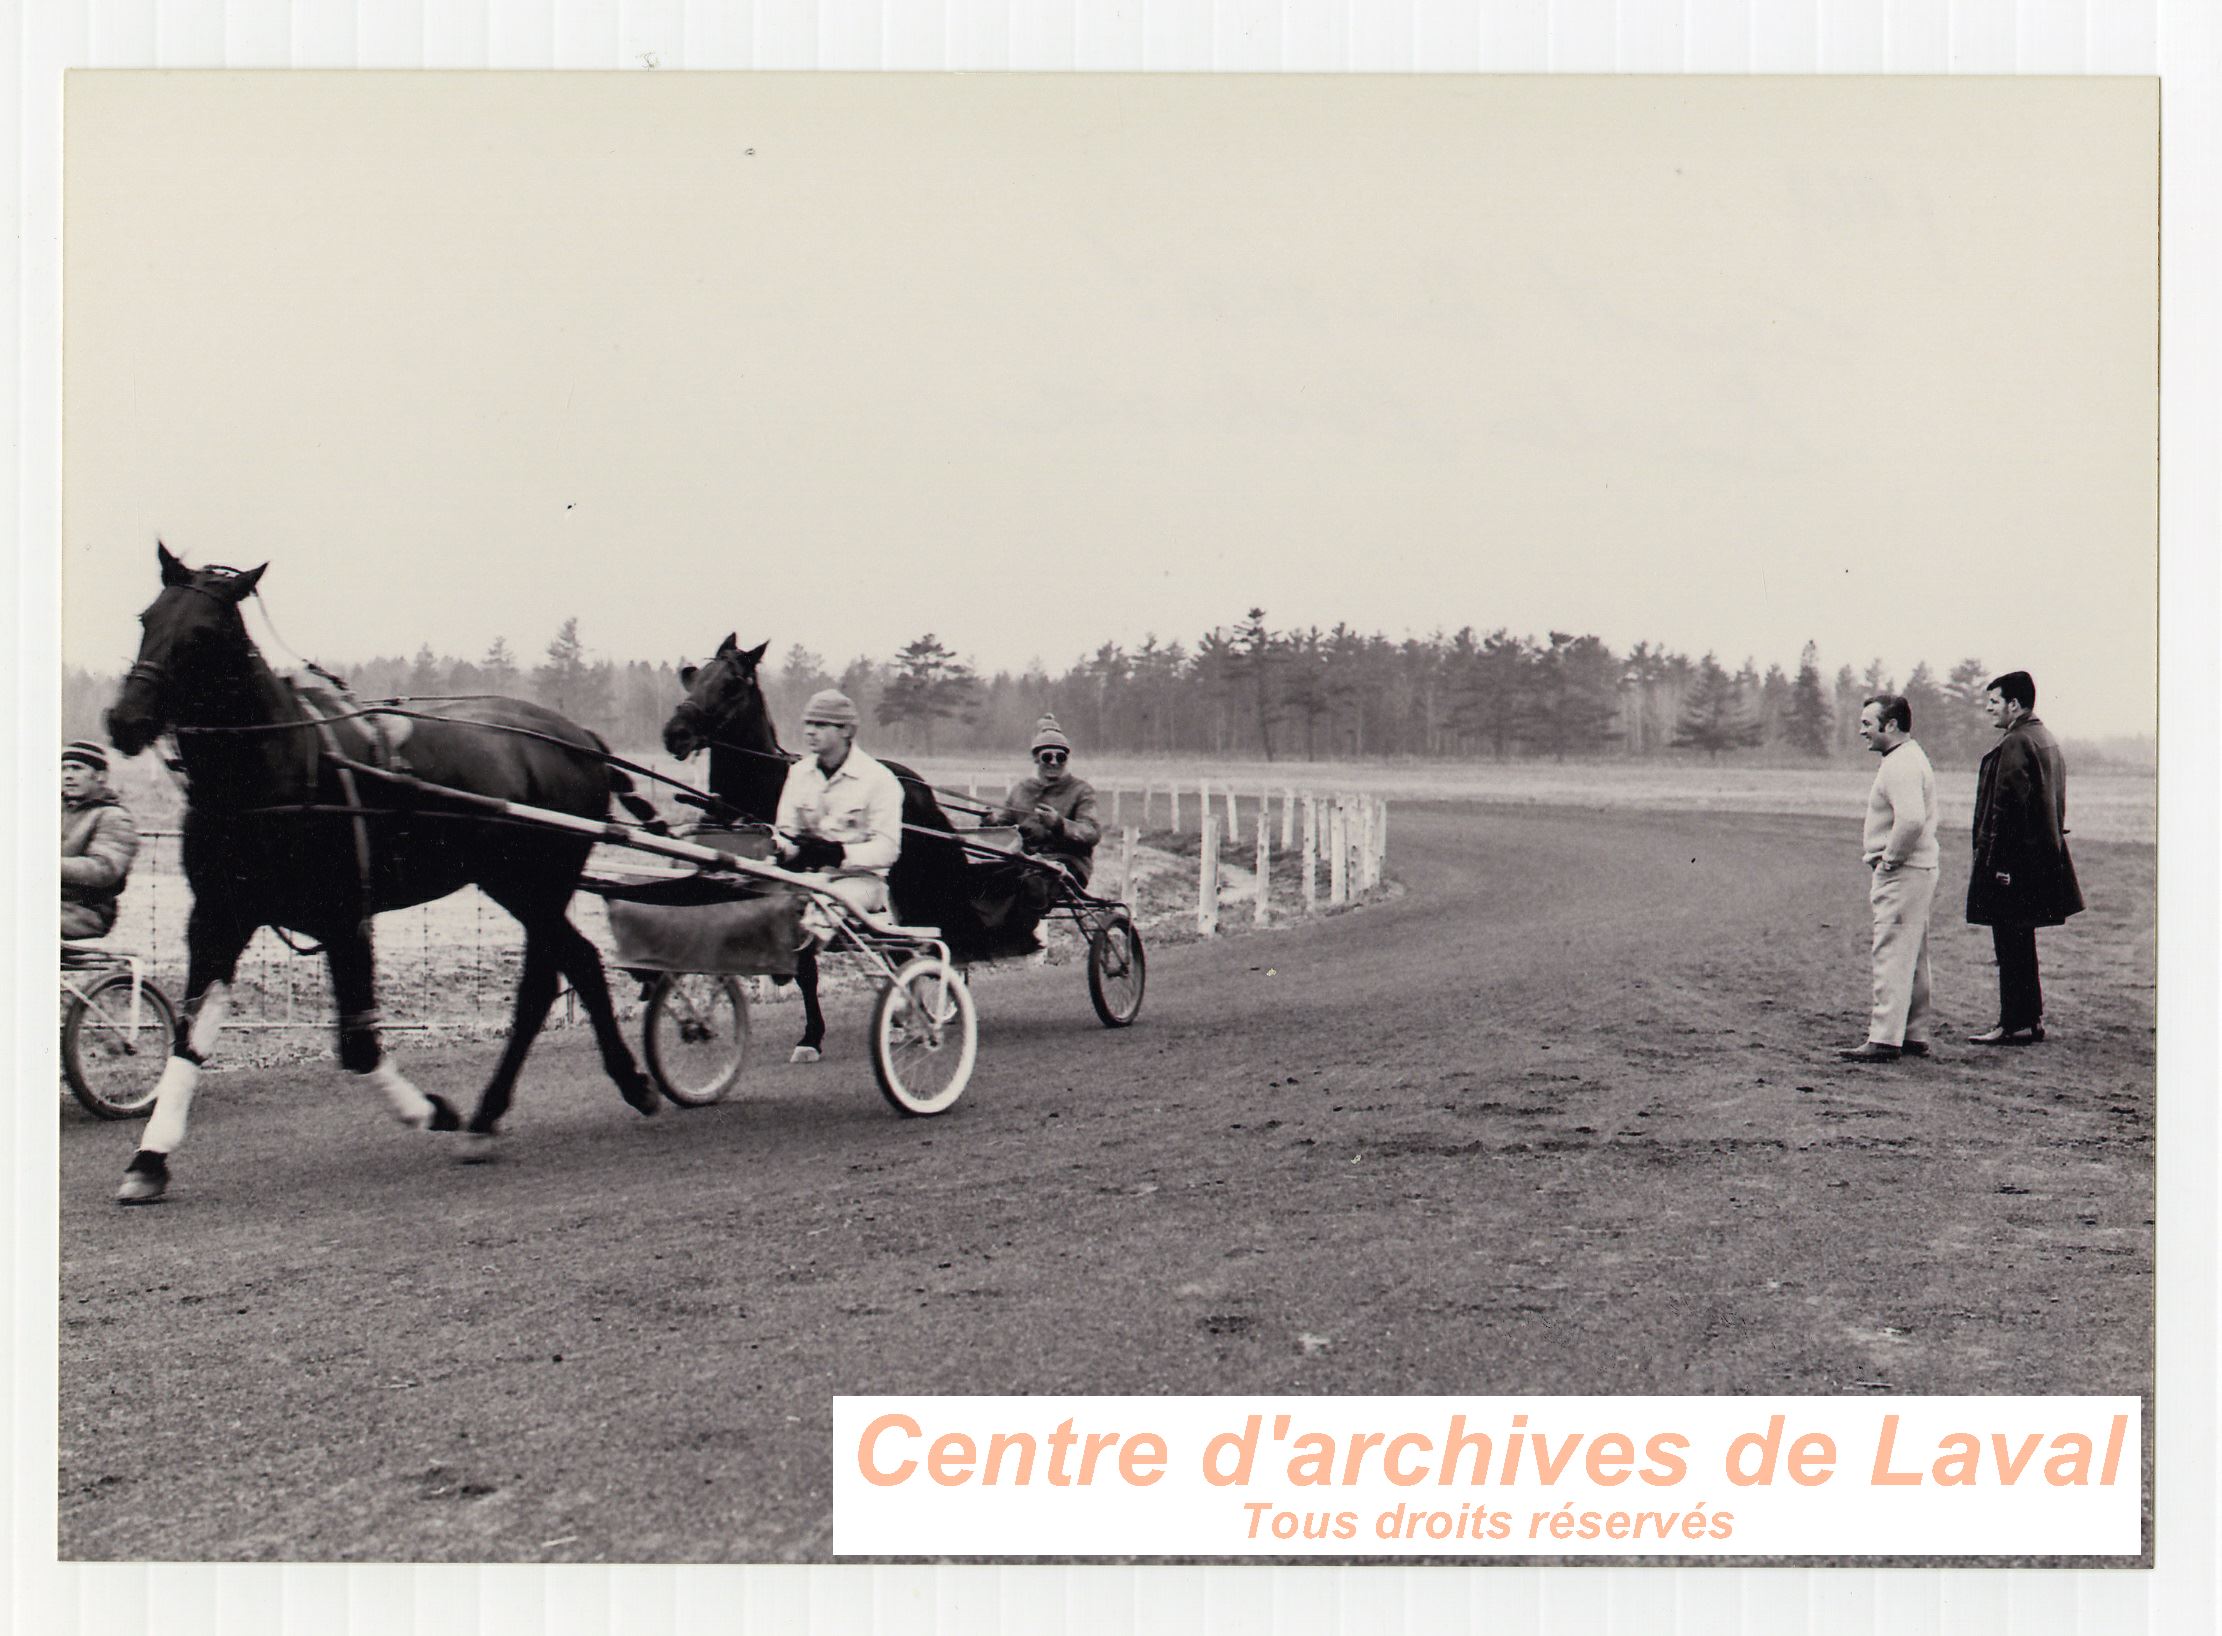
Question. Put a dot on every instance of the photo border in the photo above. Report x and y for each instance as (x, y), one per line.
(2178, 41)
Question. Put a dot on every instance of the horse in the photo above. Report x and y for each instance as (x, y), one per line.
(931, 883)
(280, 830)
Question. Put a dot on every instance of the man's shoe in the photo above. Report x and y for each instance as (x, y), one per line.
(1915, 1048)
(2002, 1035)
(1872, 1051)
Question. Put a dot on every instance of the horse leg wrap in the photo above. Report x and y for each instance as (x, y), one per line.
(204, 1023)
(410, 1105)
(173, 1104)
(181, 1075)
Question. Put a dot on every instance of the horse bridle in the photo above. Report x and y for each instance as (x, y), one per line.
(696, 718)
(153, 672)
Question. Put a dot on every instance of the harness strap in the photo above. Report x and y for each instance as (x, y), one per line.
(344, 767)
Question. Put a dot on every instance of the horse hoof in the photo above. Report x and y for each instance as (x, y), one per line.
(442, 1116)
(145, 1179)
(643, 1098)
(476, 1148)
(803, 1053)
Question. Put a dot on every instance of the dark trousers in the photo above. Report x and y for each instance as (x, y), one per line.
(2021, 998)
(84, 920)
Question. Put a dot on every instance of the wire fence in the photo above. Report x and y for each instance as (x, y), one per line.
(451, 967)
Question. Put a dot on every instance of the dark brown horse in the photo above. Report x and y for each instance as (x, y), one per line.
(279, 833)
(931, 883)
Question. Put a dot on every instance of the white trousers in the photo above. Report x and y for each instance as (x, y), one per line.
(1900, 899)
(867, 894)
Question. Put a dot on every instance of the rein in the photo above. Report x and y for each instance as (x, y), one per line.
(322, 747)
(948, 798)
(393, 707)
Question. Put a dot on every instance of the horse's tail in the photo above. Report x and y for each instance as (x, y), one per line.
(623, 790)
(627, 795)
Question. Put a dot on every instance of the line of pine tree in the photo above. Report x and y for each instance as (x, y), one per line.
(1246, 690)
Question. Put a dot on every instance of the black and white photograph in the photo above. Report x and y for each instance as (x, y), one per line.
(734, 739)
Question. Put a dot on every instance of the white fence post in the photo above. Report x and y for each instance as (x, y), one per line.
(1116, 793)
(1207, 878)
(1172, 794)
(1234, 819)
(1338, 852)
(1265, 870)
(1126, 863)
(1288, 817)
(1309, 861)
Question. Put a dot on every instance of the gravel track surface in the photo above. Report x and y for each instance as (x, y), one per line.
(1565, 1117)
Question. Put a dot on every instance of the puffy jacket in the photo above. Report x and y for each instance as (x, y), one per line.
(1072, 834)
(2022, 874)
(99, 842)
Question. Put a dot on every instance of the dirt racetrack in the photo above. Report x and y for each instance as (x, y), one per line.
(1564, 1118)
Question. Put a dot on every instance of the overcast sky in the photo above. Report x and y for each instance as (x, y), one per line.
(1036, 363)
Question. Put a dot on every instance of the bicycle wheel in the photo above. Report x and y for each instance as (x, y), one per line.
(696, 1034)
(1117, 972)
(113, 1051)
(925, 1035)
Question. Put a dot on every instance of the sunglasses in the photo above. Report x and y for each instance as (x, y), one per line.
(1050, 758)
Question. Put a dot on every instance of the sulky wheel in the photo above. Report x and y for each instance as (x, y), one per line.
(112, 1052)
(925, 1035)
(1116, 971)
(696, 1034)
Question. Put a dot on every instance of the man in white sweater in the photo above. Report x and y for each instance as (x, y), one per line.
(1899, 845)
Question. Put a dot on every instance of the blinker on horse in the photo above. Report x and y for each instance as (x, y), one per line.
(280, 832)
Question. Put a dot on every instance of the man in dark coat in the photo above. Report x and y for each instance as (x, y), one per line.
(2022, 876)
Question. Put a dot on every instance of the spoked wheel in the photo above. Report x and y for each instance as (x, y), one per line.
(113, 1050)
(696, 1033)
(925, 1035)
(1116, 971)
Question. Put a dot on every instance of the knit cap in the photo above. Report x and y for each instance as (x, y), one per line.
(1049, 736)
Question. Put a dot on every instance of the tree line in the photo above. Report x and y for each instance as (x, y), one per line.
(1247, 690)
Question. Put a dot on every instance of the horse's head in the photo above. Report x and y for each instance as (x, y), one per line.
(193, 648)
(724, 704)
